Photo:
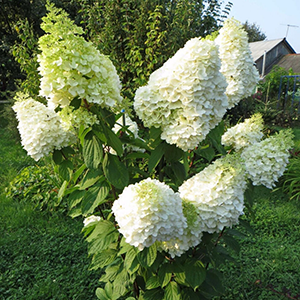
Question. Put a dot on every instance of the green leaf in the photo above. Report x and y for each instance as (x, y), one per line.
(172, 153)
(208, 153)
(77, 173)
(152, 283)
(82, 132)
(195, 273)
(215, 137)
(115, 171)
(101, 294)
(103, 258)
(172, 291)
(61, 191)
(65, 169)
(114, 141)
(155, 157)
(92, 151)
(57, 156)
(232, 243)
(147, 256)
(76, 102)
(179, 171)
(90, 178)
(188, 294)
(154, 139)
(164, 275)
(75, 198)
(156, 294)
(129, 258)
(212, 287)
(95, 196)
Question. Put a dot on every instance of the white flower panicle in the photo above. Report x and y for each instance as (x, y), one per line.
(185, 97)
(244, 134)
(72, 67)
(191, 236)
(237, 62)
(91, 219)
(147, 212)
(218, 193)
(41, 129)
(266, 161)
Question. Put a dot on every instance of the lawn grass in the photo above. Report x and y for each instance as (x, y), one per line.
(268, 265)
(42, 254)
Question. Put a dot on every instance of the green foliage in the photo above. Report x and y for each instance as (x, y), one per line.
(139, 36)
(36, 185)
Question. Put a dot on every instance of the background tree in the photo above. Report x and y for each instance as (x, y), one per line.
(254, 32)
(140, 35)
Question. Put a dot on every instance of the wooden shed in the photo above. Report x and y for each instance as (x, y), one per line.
(266, 54)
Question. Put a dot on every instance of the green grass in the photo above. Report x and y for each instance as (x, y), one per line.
(42, 255)
(268, 265)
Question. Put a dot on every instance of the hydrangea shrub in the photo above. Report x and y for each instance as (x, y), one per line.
(155, 215)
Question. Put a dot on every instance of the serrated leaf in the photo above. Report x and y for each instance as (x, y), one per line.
(103, 258)
(93, 197)
(129, 258)
(152, 283)
(147, 256)
(172, 291)
(77, 173)
(92, 151)
(115, 171)
(61, 191)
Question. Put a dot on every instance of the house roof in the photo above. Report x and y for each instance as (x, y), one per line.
(290, 61)
(259, 48)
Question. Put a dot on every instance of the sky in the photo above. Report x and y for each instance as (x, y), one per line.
(272, 16)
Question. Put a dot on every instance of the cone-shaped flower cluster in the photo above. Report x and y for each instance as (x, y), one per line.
(71, 67)
(41, 129)
(244, 134)
(147, 212)
(237, 62)
(266, 161)
(217, 193)
(186, 96)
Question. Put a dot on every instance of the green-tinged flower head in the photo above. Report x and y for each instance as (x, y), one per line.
(237, 62)
(41, 129)
(217, 192)
(191, 236)
(74, 118)
(266, 161)
(244, 134)
(72, 67)
(186, 96)
(147, 212)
